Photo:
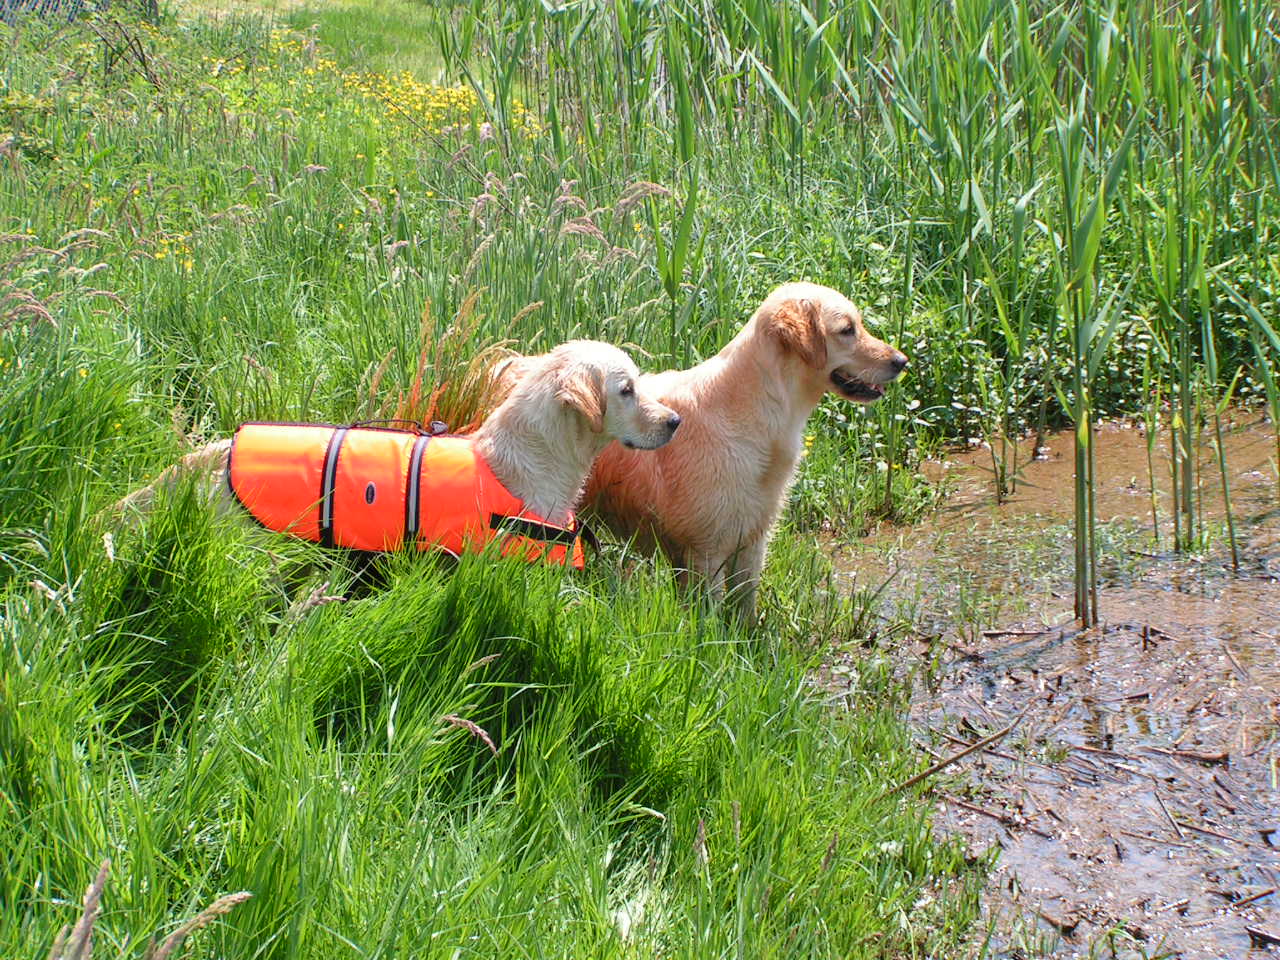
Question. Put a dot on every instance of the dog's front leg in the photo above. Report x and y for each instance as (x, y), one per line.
(743, 579)
(703, 571)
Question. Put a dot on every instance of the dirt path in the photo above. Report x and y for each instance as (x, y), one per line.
(1135, 804)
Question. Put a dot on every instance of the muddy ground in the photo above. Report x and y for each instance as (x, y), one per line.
(1134, 803)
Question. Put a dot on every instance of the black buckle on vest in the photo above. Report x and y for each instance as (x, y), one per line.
(533, 529)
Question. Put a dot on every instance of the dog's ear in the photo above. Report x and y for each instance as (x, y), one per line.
(798, 326)
(507, 374)
(582, 388)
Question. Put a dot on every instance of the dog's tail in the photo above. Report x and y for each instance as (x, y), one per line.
(211, 459)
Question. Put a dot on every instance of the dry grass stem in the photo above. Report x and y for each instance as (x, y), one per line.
(78, 945)
(471, 727)
(318, 597)
(220, 907)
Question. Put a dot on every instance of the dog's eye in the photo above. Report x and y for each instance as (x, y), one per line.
(849, 331)
(628, 390)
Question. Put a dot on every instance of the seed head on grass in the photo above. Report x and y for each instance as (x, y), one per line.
(223, 905)
(76, 943)
(583, 227)
(483, 661)
(317, 598)
(700, 844)
(79, 944)
(472, 728)
(464, 391)
(635, 195)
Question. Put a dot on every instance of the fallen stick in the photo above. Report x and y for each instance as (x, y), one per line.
(995, 815)
(948, 761)
(962, 742)
(1257, 896)
(1226, 647)
(1167, 815)
(1105, 752)
(1066, 927)
(1262, 937)
(1214, 833)
(1150, 839)
(1208, 758)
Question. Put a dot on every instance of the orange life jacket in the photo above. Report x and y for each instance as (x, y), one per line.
(375, 488)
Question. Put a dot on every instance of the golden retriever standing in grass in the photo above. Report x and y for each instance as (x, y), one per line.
(710, 497)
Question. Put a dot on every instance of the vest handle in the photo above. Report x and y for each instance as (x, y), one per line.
(433, 429)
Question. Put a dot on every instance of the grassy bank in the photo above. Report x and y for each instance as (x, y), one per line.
(487, 761)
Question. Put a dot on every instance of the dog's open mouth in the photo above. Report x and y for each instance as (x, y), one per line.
(856, 389)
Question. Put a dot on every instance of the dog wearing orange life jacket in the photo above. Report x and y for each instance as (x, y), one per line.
(538, 446)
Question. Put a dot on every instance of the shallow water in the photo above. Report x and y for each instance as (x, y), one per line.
(1143, 771)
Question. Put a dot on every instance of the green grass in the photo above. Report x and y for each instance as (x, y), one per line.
(388, 36)
(207, 221)
(174, 709)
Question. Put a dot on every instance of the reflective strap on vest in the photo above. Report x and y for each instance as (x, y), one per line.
(327, 476)
(414, 487)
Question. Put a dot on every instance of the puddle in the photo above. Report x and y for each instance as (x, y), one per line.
(1136, 802)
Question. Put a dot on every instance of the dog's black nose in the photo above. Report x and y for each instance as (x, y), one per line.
(673, 421)
(898, 362)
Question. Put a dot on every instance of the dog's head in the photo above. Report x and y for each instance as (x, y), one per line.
(824, 330)
(599, 385)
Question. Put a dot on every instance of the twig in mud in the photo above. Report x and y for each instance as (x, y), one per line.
(1178, 905)
(1100, 750)
(933, 753)
(1168, 816)
(1262, 937)
(1207, 758)
(959, 755)
(1226, 648)
(1260, 746)
(982, 708)
(1257, 896)
(962, 742)
(991, 634)
(996, 815)
(1149, 839)
(1100, 774)
(1214, 833)
(1066, 927)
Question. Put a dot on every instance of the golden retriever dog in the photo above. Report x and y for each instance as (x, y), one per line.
(711, 497)
(540, 441)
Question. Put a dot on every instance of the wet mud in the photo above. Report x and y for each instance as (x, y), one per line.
(1134, 803)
